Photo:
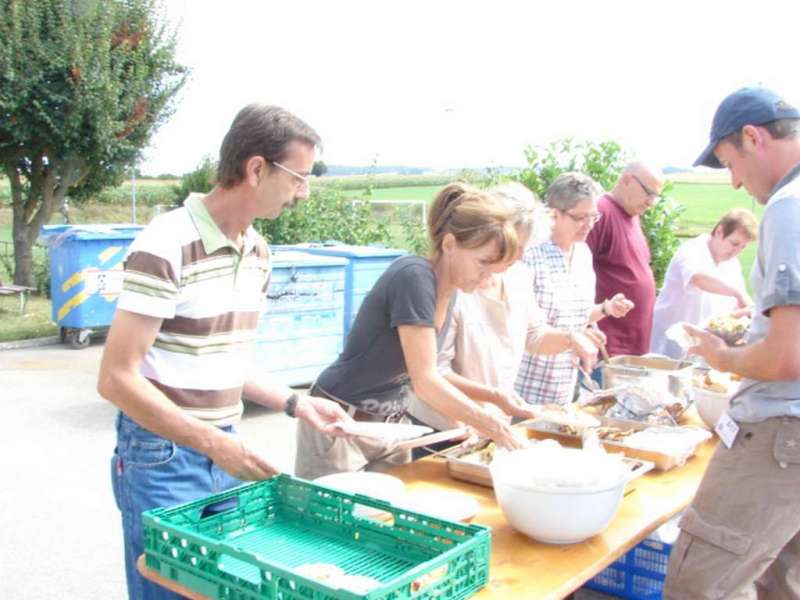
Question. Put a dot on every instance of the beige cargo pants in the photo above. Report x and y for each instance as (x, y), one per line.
(741, 536)
(319, 454)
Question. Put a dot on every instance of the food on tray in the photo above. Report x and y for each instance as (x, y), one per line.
(644, 404)
(565, 414)
(717, 381)
(481, 457)
(607, 432)
(729, 328)
(613, 433)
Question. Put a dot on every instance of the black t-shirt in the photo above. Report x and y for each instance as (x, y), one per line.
(371, 371)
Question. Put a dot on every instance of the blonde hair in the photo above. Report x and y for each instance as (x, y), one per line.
(474, 218)
(531, 216)
(738, 219)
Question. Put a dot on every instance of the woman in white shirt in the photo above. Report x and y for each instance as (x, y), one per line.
(704, 279)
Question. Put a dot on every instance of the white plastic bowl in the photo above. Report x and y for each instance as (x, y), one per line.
(710, 405)
(554, 515)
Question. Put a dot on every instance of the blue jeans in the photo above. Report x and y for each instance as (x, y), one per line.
(148, 471)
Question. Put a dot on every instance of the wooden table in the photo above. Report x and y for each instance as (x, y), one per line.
(523, 568)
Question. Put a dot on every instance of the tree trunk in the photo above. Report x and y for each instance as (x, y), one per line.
(33, 207)
(23, 258)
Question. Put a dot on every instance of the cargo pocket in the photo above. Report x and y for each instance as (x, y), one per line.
(706, 555)
(787, 445)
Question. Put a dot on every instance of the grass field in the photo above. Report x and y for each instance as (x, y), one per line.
(34, 323)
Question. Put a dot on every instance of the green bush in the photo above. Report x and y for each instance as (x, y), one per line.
(660, 225)
(200, 180)
(327, 215)
(604, 162)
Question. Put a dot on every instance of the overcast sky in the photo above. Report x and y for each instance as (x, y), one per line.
(442, 84)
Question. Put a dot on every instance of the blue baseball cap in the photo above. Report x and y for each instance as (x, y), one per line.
(747, 106)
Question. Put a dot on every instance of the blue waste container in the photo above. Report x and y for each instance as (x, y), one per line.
(300, 332)
(85, 275)
(365, 264)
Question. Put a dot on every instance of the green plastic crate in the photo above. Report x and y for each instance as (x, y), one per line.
(244, 543)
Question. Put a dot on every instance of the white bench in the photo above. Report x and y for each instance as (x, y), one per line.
(21, 291)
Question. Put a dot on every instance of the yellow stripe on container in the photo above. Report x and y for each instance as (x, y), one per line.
(76, 300)
(72, 281)
(108, 253)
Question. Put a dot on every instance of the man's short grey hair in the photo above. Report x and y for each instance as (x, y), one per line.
(531, 216)
(571, 188)
(779, 130)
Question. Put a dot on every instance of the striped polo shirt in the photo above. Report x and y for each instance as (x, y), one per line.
(209, 293)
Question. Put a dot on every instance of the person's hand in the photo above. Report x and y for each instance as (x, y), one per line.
(231, 454)
(747, 311)
(585, 350)
(743, 300)
(501, 433)
(322, 414)
(595, 334)
(618, 306)
(511, 403)
(707, 345)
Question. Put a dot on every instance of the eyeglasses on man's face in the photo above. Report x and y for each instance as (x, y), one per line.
(590, 218)
(648, 192)
(301, 179)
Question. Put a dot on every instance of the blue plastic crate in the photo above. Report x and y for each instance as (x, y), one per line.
(86, 271)
(639, 575)
(365, 264)
(300, 332)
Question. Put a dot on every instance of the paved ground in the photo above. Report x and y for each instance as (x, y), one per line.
(60, 536)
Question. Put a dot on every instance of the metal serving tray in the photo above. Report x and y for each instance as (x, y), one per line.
(459, 467)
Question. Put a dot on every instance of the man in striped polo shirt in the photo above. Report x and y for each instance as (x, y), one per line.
(177, 354)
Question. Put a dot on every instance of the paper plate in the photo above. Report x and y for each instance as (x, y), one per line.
(383, 431)
(378, 485)
(442, 504)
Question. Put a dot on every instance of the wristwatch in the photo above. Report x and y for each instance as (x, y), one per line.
(291, 404)
(603, 308)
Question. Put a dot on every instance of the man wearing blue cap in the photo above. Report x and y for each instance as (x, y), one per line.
(741, 536)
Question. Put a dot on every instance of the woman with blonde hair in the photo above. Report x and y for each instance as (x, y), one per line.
(493, 326)
(393, 344)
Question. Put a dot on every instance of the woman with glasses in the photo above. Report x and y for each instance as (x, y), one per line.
(564, 288)
(401, 324)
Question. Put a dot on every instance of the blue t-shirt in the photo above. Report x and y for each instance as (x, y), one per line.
(776, 279)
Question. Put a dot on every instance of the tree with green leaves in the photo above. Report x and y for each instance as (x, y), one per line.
(83, 86)
(604, 162)
(319, 169)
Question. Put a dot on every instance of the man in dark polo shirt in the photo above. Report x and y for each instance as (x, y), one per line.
(621, 257)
